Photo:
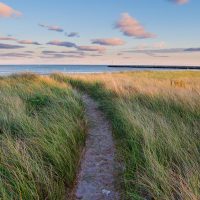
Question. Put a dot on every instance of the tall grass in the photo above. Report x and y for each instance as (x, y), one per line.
(156, 121)
(41, 134)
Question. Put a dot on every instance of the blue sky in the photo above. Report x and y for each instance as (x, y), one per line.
(100, 32)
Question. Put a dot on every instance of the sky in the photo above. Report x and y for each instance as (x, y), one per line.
(152, 32)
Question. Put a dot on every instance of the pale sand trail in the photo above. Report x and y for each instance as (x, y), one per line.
(98, 171)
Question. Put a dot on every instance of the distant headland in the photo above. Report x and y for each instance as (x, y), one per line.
(157, 67)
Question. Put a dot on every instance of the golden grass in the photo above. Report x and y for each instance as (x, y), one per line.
(156, 121)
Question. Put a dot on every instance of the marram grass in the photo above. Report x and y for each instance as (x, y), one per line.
(155, 118)
(156, 122)
(42, 130)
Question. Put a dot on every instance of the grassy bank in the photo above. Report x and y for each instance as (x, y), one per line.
(156, 121)
(41, 134)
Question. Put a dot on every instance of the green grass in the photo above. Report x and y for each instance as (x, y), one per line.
(42, 131)
(156, 123)
(158, 135)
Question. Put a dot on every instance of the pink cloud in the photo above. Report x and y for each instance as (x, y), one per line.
(19, 41)
(131, 27)
(109, 41)
(52, 28)
(60, 43)
(28, 42)
(8, 38)
(55, 28)
(91, 48)
(10, 46)
(180, 1)
(7, 11)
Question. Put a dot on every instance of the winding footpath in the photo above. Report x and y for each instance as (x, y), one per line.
(98, 170)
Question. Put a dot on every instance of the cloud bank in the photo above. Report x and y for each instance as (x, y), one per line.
(78, 53)
(8, 38)
(61, 54)
(60, 43)
(192, 50)
(19, 41)
(17, 55)
(7, 11)
(157, 45)
(164, 50)
(91, 48)
(108, 41)
(52, 28)
(10, 46)
(79, 48)
(132, 28)
(28, 42)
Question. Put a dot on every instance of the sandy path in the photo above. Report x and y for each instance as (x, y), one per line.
(96, 178)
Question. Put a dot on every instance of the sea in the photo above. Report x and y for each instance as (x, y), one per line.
(48, 69)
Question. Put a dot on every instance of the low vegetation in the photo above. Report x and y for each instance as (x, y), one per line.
(155, 118)
(42, 130)
(156, 122)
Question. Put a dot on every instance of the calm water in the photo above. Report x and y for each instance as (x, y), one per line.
(47, 69)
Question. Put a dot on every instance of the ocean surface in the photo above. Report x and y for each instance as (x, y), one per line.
(47, 69)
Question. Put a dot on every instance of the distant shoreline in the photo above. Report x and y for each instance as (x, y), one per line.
(88, 69)
(155, 67)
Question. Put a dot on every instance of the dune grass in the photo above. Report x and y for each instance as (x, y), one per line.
(42, 130)
(156, 122)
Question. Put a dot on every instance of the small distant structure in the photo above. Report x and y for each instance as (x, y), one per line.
(178, 83)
